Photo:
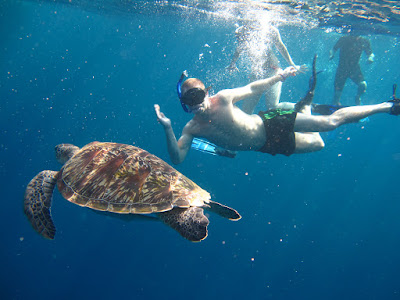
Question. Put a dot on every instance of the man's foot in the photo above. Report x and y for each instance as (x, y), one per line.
(395, 110)
(224, 152)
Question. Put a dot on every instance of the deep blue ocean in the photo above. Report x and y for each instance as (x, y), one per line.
(323, 225)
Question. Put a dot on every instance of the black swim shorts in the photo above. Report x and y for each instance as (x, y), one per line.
(279, 128)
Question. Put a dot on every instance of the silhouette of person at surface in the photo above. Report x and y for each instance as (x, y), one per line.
(351, 48)
(257, 41)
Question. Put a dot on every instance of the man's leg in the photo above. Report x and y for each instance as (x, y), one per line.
(351, 114)
(340, 80)
(308, 142)
(272, 95)
(358, 78)
(362, 87)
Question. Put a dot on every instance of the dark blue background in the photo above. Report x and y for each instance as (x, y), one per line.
(316, 226)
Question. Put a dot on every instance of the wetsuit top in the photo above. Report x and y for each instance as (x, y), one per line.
(351, 48)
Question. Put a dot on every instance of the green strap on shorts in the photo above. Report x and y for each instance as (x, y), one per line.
(270, 114)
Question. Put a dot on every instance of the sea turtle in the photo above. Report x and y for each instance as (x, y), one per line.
(122, 179)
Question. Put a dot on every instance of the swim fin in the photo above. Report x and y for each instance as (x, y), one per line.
(210, 148)
(203, 146)
(308, 98)
(325, 109)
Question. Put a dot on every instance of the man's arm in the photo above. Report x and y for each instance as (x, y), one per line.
(277, 40)
(335, 48)
(367, 49)
(276, 37)
(256, 87)
(177, 149)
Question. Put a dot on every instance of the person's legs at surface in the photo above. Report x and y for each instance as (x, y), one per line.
(362, 87)
(272, 95)
(358, 78)
(340, 80)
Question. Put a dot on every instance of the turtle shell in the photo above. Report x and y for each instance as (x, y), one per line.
(125, 179)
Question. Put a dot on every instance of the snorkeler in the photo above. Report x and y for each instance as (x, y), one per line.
(351, 48)
(217, 119)
(257, 42)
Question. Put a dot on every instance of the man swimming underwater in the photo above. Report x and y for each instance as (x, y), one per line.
(217, 119)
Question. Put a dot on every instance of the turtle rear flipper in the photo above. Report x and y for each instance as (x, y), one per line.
(37, 202)
(223, 211)
(190, 222)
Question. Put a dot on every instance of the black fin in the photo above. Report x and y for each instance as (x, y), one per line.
(326, 109)
(308, 98)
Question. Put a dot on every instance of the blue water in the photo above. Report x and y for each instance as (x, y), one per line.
(315, 226)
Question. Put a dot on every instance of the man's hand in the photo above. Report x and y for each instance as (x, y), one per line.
(289, 71)
(161, 118)
(302, 68)
(331, 54)
(370, 59)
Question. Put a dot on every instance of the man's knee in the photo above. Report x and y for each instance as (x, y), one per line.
(362, 87)
(319, 143)
(308, 142)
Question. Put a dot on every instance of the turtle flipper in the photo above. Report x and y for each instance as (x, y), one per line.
(37, 202)
(190, 222)
(223, 211)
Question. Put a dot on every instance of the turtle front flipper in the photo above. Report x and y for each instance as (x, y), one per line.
(223, 211)
(190, 222)
(37, 202)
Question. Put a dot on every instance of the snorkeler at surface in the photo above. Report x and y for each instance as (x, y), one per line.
(277, 131)
(257, 42)
(351, 48)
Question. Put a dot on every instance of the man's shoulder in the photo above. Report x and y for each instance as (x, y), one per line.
(222, 96)
(190, 127)
(343, 39)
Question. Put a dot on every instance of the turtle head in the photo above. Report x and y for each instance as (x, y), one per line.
(65, 151)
